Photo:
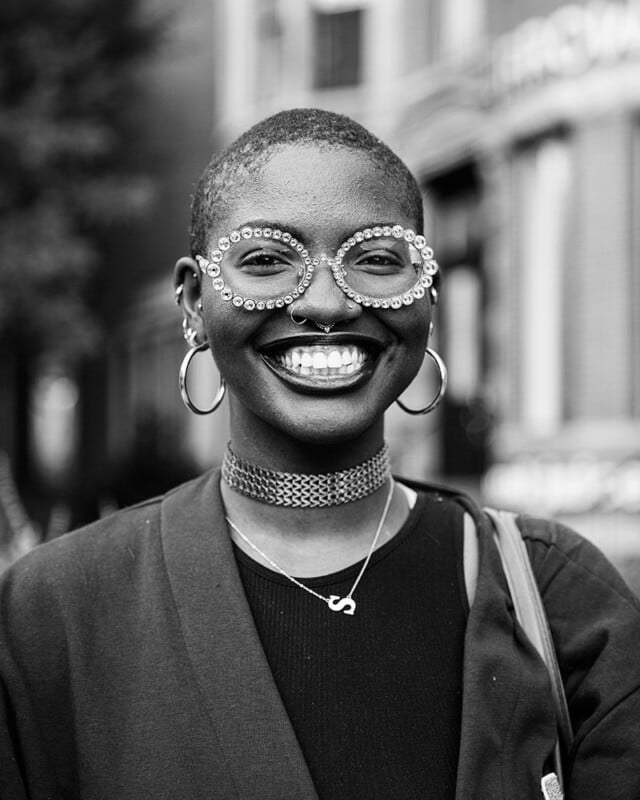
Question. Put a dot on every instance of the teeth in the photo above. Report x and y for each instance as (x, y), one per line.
(322, 360)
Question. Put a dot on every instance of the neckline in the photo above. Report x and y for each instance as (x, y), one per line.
(346, 573)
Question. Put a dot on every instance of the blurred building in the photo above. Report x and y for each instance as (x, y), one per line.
(521, 122)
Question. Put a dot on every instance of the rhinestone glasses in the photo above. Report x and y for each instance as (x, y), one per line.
(386, 266)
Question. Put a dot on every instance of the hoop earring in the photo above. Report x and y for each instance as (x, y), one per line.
(442, 368)
(182, 383)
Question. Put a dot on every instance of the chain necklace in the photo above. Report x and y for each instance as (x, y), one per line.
(336, 603)
(306, 490)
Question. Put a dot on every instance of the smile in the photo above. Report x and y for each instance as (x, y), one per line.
(322, 360)
(332, 362)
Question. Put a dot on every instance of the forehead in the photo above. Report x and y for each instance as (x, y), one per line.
(324, 194)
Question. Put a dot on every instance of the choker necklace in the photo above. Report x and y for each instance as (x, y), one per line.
(345, 604)
(306, 490)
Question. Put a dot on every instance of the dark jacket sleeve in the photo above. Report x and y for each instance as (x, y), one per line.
(595, 622)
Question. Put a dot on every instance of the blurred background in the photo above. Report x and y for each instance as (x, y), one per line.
(521, 121)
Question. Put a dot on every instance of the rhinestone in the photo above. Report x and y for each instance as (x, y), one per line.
(409, 235)
(368, 233)
(395, 302)
(249, 304)
(350, 293)
(340, 282)
(419, 292)
(286, 237)
(407, 299)
(266, 232)
(357, 298)
(224, 243)
(387, 230)
(300, 247)
(261, 305)
(257, 232)
(342, 252)
(227, 294)
(398, 231)
(246, 233)
(213, 270)
(217, 255)
(315, 262)
(310, 270)
(270, 304)
(295, 293)
(304, 253)
(366, 301)
(377, 231)
(237, 301)
(384, 304)
(431, 267)
(279, 302)
(293, 242)
(277, 234)
(351, 241)
(359, 236)
(427, 253)
(218, 284)
(288, 298)
(376, 303)
(426, 280)
(420, 242)
(234, 236)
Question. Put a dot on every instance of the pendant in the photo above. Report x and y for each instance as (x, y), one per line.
(345, 604)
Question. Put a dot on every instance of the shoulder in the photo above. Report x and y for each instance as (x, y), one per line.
(562, 557)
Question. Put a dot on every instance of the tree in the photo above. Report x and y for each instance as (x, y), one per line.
(67, 80)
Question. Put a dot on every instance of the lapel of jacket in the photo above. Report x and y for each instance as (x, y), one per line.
(252, 726)
(508, 718)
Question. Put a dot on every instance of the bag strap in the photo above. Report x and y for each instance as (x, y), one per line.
(531, 615)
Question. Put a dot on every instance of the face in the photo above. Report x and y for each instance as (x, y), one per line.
(311, 385)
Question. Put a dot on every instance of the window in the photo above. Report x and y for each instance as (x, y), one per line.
(543, 183)
(337, 49)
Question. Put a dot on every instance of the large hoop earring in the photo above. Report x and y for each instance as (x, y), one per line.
(182, 383)
(442, 368)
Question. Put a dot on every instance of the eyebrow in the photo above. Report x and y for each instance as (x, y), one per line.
(273, 224)
(297, 233)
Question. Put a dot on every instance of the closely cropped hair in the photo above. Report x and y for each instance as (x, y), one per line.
(249, 152)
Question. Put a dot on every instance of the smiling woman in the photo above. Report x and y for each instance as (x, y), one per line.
(300, 623)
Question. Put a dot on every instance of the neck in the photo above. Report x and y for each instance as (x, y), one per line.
(254, 440)
(309, 541)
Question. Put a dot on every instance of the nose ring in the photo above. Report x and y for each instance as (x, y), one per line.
(298, 320)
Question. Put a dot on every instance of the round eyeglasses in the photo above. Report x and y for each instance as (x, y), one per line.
(386, 266)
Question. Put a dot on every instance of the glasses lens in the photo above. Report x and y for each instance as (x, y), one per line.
(381, 267)
(261, 267)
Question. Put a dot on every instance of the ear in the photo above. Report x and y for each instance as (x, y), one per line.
(186, 279)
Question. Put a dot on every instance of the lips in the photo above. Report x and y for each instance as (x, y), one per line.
(329, 362)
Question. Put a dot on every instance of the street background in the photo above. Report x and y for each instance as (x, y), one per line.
(521, 122)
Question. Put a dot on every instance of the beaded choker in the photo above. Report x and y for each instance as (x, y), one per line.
(306, 490)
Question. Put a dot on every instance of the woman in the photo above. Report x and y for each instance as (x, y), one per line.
(301, 624)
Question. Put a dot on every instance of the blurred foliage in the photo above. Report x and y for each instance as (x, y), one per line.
(67, 105)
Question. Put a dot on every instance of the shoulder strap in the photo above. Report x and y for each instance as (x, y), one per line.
(530, 613)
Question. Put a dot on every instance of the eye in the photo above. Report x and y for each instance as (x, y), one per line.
(382, 262)
(265, 263)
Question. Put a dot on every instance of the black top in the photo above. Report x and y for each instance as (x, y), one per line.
(374, 698)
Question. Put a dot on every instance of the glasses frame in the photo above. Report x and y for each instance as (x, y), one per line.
(211, 267)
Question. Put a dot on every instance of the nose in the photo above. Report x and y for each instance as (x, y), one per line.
(323, 301)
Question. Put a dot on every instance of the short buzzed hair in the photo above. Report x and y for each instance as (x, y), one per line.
(247, 154)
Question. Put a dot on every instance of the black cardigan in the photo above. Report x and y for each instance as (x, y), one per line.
(130, 667)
